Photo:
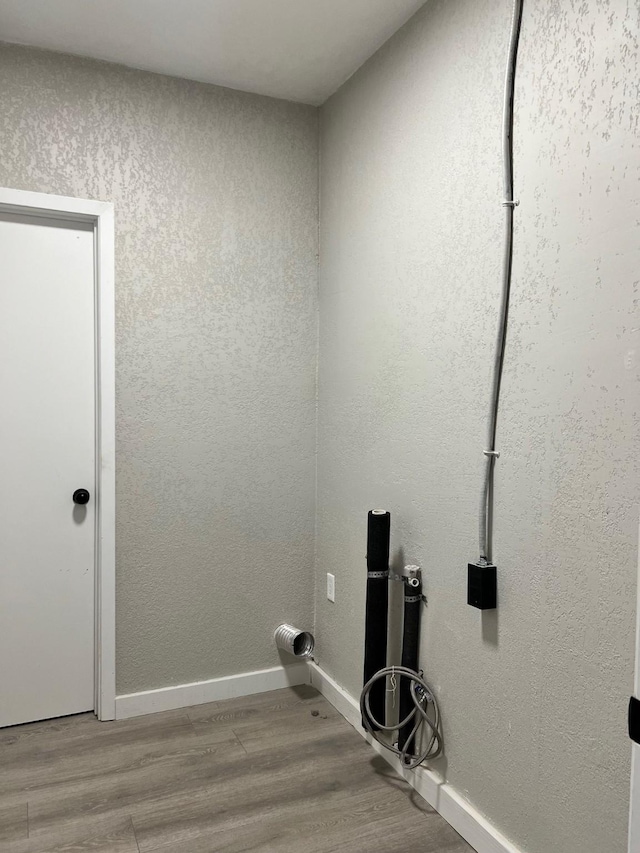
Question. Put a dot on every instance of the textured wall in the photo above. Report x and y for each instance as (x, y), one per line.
(215, 196)
(533, 696)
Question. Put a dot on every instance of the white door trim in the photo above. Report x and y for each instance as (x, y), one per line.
(100, 213)
(634, 810)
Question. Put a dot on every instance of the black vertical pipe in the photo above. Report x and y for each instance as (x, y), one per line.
(375, 631)
(410, 652)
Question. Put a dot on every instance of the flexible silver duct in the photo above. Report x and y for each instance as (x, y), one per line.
(298, 643)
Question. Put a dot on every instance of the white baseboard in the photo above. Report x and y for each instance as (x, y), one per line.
(460, 814)
(200, 692)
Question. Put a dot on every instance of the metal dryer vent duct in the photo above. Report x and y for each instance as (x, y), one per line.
(298, 643)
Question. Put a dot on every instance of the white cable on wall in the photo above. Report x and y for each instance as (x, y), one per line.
(509, 203)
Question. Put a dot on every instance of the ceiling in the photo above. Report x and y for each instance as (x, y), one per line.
(301, 50)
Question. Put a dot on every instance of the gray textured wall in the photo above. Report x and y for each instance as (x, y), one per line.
(215, 195)
(534, 696)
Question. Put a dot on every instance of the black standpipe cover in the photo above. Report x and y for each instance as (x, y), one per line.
(378, 533)
(375, 641)
(410, 654)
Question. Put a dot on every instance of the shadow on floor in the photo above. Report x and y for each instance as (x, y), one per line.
(391, 778)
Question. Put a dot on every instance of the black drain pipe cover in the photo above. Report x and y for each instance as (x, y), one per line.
(410, 653)
(375, 630)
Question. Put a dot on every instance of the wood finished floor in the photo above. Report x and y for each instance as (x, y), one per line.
(281, 772)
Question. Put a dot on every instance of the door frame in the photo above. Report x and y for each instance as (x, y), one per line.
(634, 808)
(101, 214)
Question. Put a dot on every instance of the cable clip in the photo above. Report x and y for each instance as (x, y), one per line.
(394, 685)
(507, 203)
(494, 453)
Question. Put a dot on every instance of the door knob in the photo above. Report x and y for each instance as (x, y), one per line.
(81, 496)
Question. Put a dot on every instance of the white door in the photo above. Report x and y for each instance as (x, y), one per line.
(47, 452)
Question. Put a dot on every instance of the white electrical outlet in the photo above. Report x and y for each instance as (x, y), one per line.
(331, 587)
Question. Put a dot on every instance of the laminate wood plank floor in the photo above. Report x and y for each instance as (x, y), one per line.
(279, 772)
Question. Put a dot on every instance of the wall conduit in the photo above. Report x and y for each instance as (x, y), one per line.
(509, 204)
